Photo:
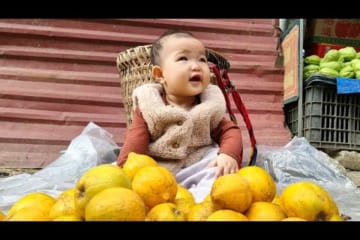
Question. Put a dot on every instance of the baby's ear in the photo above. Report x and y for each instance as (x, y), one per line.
(157, 73)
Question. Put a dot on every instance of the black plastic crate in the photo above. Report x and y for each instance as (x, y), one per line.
(291, 117)
(330, 120)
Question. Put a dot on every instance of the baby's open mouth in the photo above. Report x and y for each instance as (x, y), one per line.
(195, 78)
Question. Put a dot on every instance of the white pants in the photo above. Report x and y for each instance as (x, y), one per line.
(199, 178)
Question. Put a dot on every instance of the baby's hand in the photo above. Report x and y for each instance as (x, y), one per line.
(225, 165)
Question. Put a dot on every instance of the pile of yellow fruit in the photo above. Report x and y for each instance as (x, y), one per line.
(142, 190)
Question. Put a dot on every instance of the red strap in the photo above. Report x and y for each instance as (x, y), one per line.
(226, 86)
(222, 87)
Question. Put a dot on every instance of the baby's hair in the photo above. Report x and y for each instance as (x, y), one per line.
(158, 44)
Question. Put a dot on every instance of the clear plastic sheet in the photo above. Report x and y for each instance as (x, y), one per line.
(92, 147)
(299, 161)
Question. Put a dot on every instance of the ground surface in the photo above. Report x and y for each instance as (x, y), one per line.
(7, 172)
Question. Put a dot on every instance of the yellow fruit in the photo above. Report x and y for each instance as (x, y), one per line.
(184, 200)
(336, 218)
(207, 198)
(227, 215)
(64, 205)
(67, 218)
(208, 201)
(40, 201)
(97, 179)
(231, 191)
(183, 192)
(200, 211)
(276, 200)
(115, 204)
(165, 212)
(155, 185)
(261, 183)
(27, 213)
(293, 219)
(265, 211)
(309, 201)
(184, 205)
(136, 161)
(2, 216)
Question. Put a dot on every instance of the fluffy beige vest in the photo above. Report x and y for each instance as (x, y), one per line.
(179, 137)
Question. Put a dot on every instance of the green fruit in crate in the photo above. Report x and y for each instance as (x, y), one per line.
(344, 64)
(313, 59)
(347, 72)
(331, 55)
(357, 55)
(309, 70)
(333, 64)
(329, 71)
(355, 64)
(308, 74)
(357, 74)
(311, 67)
(347, 53)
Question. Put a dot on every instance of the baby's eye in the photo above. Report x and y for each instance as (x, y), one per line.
(203, 59)
(182, 58)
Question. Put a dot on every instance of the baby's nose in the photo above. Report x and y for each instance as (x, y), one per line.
(195, 65)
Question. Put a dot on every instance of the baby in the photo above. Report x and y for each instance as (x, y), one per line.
(180, 120)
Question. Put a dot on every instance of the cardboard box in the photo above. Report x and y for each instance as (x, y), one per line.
(334, 31)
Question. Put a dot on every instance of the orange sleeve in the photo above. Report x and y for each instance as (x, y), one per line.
(228, 136)
(136, 139)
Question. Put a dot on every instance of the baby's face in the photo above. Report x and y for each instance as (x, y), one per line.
(184, 66)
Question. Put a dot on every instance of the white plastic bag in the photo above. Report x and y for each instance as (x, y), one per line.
(299, 161)
(92, 147)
